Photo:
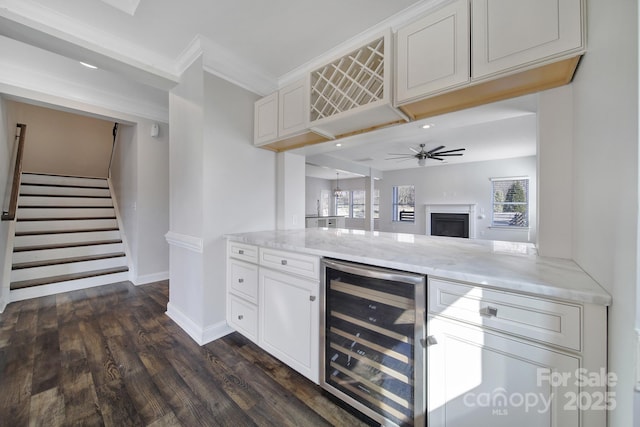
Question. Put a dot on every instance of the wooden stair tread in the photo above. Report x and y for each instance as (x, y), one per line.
(62, 207)
(84, 218)
(46, 232)
(75, 196)
(93, 187)
(65, 245)
(65, 277)
(45, 263)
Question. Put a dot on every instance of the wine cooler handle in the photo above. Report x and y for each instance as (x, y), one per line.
(489, 311)
(429, 341)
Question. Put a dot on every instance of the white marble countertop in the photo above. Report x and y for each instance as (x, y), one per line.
(501, 265)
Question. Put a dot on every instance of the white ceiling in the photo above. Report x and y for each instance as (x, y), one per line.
(259, 45)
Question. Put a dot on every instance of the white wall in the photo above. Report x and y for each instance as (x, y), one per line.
(220, 183)
(313, 189)
(239, 184)
(290, 197)
(462, 183)
(605, 159)
(63, 143)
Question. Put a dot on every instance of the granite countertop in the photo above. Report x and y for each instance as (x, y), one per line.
(501, 265)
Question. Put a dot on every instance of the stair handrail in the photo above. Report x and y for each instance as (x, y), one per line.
(11, 199)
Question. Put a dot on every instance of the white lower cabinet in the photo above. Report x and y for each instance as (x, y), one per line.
(289, 320)
(479, 378)
(272, 299)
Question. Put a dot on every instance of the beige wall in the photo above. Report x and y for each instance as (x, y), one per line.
(63, 143)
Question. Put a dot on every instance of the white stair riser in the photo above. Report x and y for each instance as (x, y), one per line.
(65, 213)
(52, 239)
(70, 268)
(63, 180)
(71, 285)
(48, 254)
(63, 201)
(81, 224)
(64, 191)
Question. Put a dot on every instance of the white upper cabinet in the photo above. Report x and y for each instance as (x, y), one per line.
(514, 33)
(265, 126)
(282, 114)
(433, 52)
(293, 108)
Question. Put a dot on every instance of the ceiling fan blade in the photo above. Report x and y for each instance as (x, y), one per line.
(435, 149)
(449, 154)
(436, 158)
(414, 150)
(449, 151)
(400, 157)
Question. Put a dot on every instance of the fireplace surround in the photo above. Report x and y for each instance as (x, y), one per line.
(468, 209)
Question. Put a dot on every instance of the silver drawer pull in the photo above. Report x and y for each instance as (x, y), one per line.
(312, 298)
(283, 262)
(488, 311)
(240, 317)
(241, 251)
(240, 280)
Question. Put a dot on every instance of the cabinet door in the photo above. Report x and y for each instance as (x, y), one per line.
(476, 378)
(293, 108)
(289, 321)
(265, 120)
(512, 33)
(433, 52)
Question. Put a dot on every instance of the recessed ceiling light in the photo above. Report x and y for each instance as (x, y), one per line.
(427, 125)
(338, 145)
(93, 67)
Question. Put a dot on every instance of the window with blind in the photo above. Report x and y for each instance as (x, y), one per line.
(510, 202)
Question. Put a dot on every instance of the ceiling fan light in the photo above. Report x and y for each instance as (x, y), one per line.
(421, 162)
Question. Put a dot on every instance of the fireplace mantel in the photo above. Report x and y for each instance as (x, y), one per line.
(463, 208)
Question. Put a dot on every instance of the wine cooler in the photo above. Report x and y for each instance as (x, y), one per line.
(373, 330)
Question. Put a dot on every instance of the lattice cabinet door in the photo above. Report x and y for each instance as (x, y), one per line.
(357, 81)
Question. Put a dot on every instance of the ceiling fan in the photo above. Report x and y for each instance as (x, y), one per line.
(423, 155)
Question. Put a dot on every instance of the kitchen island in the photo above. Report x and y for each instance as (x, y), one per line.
(494, 317)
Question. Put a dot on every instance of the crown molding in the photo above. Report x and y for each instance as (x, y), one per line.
(126, 6)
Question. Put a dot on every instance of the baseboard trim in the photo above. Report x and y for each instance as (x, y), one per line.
(151, 278)
(200, 335)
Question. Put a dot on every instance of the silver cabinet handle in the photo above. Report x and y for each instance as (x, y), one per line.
(241, 252)
(240, 317)
(283, 262)
(240, 280)
(312, 298)
(488, 311)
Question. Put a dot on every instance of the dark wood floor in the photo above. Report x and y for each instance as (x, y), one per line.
(110, 356)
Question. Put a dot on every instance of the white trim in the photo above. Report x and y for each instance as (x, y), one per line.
(463, 208)
(188, 56)
(5, 278)
(123, 236)
(126, 6)
(200, 335)
(195, 244)
(151, 278)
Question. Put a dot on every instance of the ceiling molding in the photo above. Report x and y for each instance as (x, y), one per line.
(411, 13)
(126, 6)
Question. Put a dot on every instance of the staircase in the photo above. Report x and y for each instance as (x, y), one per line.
(66, 236)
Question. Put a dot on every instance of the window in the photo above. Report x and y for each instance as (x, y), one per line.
(343, 200)
(376, 203)
(358, 203)
(404, 203)
(510, 202)
(324, 202)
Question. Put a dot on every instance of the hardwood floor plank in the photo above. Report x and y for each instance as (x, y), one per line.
(47, 409)
(111, 356)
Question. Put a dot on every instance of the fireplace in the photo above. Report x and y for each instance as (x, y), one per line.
(450, 224)
(468, 215)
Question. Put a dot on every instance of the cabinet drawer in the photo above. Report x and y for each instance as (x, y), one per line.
(243, 251)
(303, 265)
(243, 317)
(535, 318)
(243, 280)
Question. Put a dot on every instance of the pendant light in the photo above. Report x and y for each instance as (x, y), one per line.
(337, 190)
